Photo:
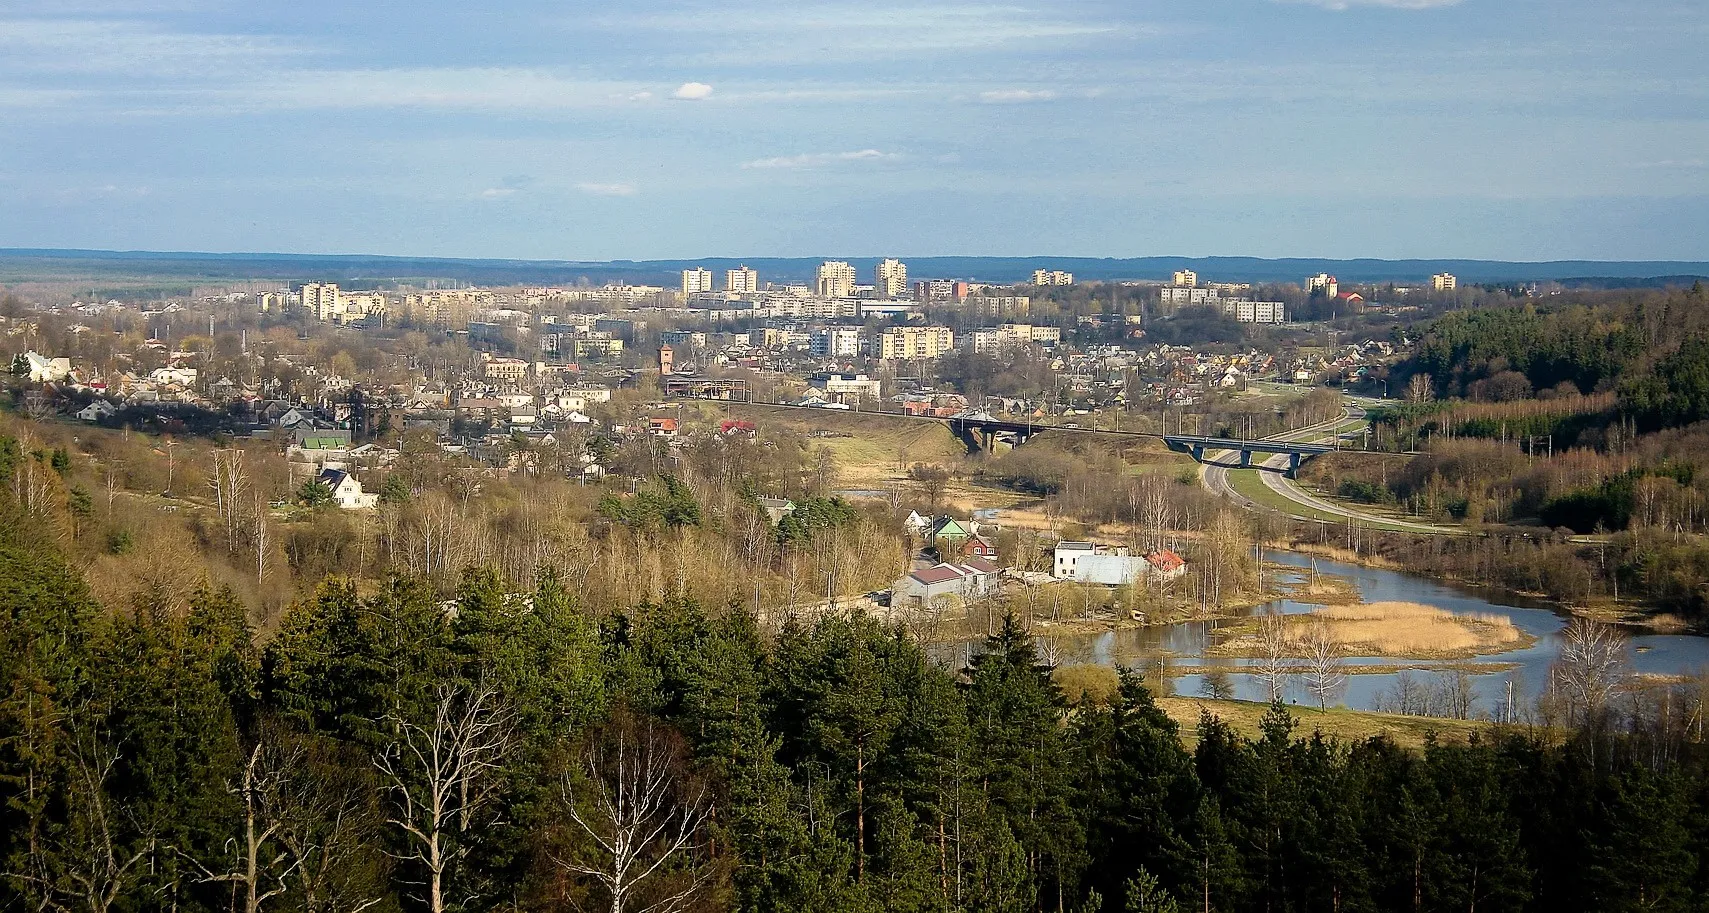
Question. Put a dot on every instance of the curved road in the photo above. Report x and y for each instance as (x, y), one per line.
(1272, 472)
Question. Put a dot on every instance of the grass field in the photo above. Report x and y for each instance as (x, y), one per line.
(1340, 723)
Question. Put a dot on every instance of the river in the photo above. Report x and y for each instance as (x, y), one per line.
(1184, 645)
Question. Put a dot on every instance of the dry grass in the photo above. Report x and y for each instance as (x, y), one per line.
(1406, 630)
(1339, 722)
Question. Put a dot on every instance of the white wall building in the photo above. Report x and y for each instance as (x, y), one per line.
(834, 279)
(891, 280)
(835, 342)
(696, 280)
(1186, 278)
(741, 281)
(1444, 282)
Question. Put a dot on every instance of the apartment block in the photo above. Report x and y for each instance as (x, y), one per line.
(1052, 277)
(1186, 278)
(834, 279)
(696, 280)
(1444, 282)
(891, 280)
(741, 281)
(915, 342)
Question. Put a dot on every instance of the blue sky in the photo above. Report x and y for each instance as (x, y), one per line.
(1504, 129)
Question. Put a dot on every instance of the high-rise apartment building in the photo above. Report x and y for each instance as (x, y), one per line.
(1052, 277)
(696, 280)
(834, 279)
(1324, 281)
(741, 280)
(915, 342)
(892, 279)
(1186, 278)
(320, 299)
(1444, 282)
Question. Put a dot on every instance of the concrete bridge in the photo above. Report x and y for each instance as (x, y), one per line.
(1197, 445)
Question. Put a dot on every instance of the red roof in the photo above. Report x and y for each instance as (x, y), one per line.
(939, 574)
(980, 565)
(1165, 560)
(662, 424)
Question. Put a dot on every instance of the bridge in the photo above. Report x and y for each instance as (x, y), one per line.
(1197, 445)
(982, 431)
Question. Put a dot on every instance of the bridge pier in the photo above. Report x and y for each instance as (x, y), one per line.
(1293, 464)
(1245, 458)
(1199, 452)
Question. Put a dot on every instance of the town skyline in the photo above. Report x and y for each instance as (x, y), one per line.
(1523, 130)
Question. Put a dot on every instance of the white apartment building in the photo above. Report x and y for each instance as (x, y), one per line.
(841, 388)
(741, 281)
(1178, 295)
(1186, 278)
(1052, 277)
(1010, 335)
(835, 342)
(696, 280)
(834, 279)
(1444, 282)
(1246, 310)
(997, 307)
(320, 299)
(915, 342)
(1324, 281)
(892, 279)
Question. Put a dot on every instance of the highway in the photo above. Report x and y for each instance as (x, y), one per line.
(1272, 475)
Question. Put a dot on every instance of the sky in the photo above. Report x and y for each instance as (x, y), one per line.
(1497, 129)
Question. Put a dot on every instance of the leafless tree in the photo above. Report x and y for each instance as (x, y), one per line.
(260, 864)
(440, 776)
(1274, 654)
(642, 816)
(329, 825)
(230, 482)
(92, 862)
(1591, 667)
(1324, 656)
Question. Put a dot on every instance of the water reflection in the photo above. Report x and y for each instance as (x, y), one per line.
(1524, 670)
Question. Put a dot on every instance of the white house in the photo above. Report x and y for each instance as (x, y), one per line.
(970, 579)
(96, 411)
(346, 491)
(45, 370)
(1068, 555)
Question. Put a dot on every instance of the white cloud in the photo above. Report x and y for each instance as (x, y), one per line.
(607, 190)
(820, 159)
(497, 193)
(692, 91)
(641, 96)
(1390, 4)
(1015, 96)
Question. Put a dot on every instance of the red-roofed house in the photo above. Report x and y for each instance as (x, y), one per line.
(662, 427)
(1166, 564)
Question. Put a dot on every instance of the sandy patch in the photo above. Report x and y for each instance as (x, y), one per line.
(1407, 630)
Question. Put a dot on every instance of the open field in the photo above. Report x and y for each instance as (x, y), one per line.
(1339, 722)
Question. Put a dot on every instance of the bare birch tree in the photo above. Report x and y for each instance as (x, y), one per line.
(641, 817)
(93, 862)
(440, 776)
(1591, 667)
(1274, 663)
(1324, 658)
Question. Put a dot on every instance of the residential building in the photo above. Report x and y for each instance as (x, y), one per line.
(696, 280)
(1246, 310)
(320, 300)
(972, 578)
(1178, 295)
(1067, 555)
(1323, 281)
(741, 281)
(915, 342)
(511, 369)
(835, 342)
(683, 339)
(941, 290)
(891, 280)
(999, 307)
(1444, 282)
(834, 279)
(1052, 277)
(346, 491)
(1186, 278)
(841, 388)
(667, 361)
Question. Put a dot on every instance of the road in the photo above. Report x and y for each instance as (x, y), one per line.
(1272, 473)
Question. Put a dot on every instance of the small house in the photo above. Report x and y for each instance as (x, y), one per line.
(346, 491)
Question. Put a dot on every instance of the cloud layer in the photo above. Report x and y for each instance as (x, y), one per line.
(821, 159)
